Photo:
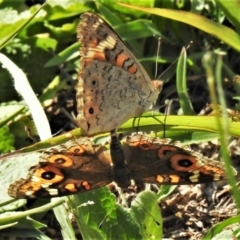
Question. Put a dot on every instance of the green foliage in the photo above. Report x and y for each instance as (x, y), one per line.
(46, 39)
(99, 216)
(7, 140)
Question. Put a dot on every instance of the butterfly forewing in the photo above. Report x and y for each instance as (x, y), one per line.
(152, 160)
(74, 167)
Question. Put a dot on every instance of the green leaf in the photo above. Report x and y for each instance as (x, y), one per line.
(231, 10)
(64, 56)
(58, 10)
(26, 227)
(182, 90)
(65, 222)
(7, 140)
(165, 191)
(99, 216)
(147, 214)
(141, 28)
(218, 228)
(14, 217)
(10, 30)
(115, 7)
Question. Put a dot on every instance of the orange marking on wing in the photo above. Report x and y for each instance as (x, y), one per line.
(168, 178)
(30, 186)
(60, 159)
(134, 144)
(93, 55)
(160, 179)
(209, 169)
(174, 178)
(71, 187)
(145, 145)
(76, 150)
(93, 43)
(132, 69)
(38, 175)
(178, 157)
(121, 58)
(163, 150)
(86, 185)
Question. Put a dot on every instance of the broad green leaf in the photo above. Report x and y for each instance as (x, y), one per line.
(100, 217)
(146, 212)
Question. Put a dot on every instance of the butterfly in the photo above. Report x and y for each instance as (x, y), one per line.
(79, 165)
(112, 85)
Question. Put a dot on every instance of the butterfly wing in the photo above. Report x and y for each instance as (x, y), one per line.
(113, 86)
(74, 167)
(153, 160)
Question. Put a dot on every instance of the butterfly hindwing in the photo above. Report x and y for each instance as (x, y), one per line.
(112, 85)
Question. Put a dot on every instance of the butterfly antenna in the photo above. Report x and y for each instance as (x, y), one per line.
(158, 50)
(156, 64)
(164, 126)
(167, 112)
(187, 47)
